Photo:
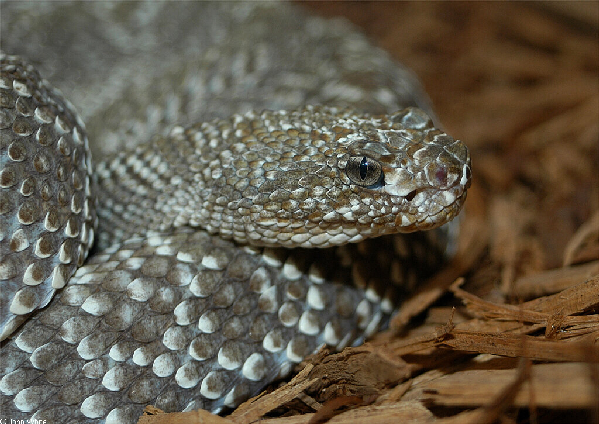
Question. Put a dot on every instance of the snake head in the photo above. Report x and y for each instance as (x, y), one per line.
(319, 177)
(314, 177)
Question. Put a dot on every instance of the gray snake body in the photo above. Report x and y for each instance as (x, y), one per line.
(227, 250)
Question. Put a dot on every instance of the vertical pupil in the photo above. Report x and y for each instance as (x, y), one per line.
(363, 168)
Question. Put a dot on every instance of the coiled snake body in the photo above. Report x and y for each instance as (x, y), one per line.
(226, 250)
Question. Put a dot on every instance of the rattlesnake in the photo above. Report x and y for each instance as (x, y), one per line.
(188, 299)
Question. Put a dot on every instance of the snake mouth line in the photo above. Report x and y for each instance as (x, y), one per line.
(410, 196)
(427, 208)
(444, 216)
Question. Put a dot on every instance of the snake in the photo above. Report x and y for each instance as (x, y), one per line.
(198, 263)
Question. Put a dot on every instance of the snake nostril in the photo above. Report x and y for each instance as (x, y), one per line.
(441, 176)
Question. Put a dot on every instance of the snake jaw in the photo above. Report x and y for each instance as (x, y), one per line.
(442, 214)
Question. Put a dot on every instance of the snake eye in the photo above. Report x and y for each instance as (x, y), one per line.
(365, 171)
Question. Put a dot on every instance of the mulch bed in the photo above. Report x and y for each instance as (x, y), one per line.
(509, 332)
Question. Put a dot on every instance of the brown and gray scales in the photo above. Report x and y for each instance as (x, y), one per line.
(199, 307)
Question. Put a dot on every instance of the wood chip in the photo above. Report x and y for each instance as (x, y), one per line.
(193, 417)
(552, 386)
(256, 407)
(409, 412)
(552, 281)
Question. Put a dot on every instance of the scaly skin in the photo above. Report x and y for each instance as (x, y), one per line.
(47, 207)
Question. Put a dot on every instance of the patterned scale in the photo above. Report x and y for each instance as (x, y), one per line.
(187, 321)
(47, 212)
